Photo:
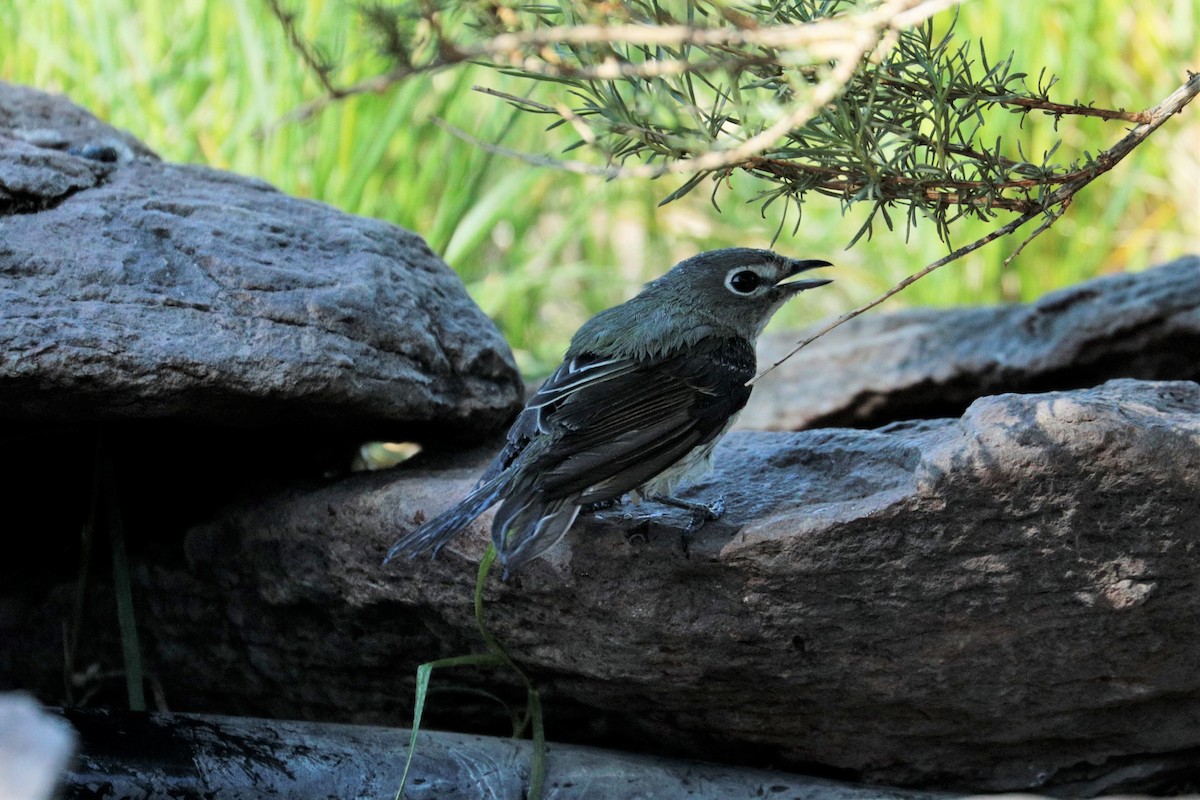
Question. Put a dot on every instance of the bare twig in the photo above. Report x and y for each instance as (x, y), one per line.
(1052, 216)
(1053, 206)
(1037, 104)
(1074, 110)
(315, 64)
(894, 15)
(377, 84)
(830, 39)
(578, 167)
(899, 287)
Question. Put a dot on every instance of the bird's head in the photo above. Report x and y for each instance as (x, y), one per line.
(731, 292)
(738, 287)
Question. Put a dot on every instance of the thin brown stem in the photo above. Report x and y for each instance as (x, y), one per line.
(899, 287)
(839, 39)
(1074, 110)
(1034, 103)
(311, 60)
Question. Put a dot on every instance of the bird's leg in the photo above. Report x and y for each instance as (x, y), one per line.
(600, 505)
(701, 512)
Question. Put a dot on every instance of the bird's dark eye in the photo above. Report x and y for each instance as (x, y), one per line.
(744, 282)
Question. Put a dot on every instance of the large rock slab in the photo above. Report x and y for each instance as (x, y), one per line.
(132, 289)
(923, 363)
(1000, 601)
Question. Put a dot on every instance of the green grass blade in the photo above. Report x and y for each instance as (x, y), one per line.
(131, 651)
(533, 702)
(424, 673)
(537, 765)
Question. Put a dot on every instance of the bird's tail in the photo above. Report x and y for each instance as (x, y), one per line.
(527, 526)
(439, 530)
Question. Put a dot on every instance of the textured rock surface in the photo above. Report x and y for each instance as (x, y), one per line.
(879, 368)
(1001, 601)
(135, 289)
(168, 756)
(51, 149)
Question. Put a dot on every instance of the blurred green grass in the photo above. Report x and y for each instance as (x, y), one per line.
(541, 250)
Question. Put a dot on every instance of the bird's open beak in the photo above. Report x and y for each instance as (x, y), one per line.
(795, 268)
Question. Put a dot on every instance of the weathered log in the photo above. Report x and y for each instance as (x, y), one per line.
(172, 756)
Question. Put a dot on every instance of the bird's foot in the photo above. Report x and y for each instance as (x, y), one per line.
(602, 505)
(701, 512)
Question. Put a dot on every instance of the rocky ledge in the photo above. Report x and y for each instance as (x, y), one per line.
(1000, 601)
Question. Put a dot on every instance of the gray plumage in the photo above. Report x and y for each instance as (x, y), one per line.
(644, 393)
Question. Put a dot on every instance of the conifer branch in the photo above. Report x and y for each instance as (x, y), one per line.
(1053, 207)
(859, 103)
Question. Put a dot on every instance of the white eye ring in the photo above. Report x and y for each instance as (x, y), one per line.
(743, 281)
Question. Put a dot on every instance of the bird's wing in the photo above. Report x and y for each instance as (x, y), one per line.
(611, 425)
(583, 373)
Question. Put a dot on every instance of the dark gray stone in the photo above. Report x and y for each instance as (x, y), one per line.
(54, 122)
(51, 149)
(1001, 601)
(131, 289)
(924, 363)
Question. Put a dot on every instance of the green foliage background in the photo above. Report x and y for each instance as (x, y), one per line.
(541, 250)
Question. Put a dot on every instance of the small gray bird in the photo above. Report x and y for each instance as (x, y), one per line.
(644, 393)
